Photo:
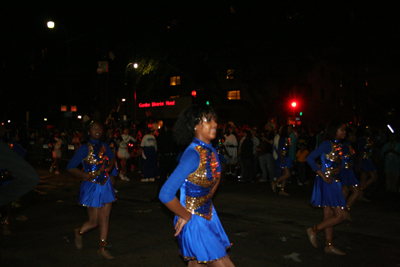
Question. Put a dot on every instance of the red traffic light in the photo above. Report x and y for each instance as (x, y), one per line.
(294, 104)
(194, 93)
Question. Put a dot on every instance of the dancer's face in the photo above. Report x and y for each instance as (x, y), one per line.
(341, 132)
(96, 131)
(206, 130)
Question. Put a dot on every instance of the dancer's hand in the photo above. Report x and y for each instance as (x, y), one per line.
(327, 179)
(179, 225)
(323, 176)
(88, 177)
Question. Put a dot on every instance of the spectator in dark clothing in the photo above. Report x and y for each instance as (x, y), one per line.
(246, 156)
(167, 151)
(266, 160)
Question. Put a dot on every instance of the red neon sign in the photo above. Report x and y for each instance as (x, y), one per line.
(144, 105)
(157, 104)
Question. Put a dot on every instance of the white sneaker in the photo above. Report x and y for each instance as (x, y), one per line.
(116, 191)
(51, 169)
(145, 180)
(122, 177)
(151, 179)
(126, 178)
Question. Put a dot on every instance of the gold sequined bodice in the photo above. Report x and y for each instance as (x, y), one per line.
(348, 158)
(96, 163)
(366, 154)
(199, 184)
(332, 161)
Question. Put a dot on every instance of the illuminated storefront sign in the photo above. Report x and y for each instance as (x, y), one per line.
(157, 104)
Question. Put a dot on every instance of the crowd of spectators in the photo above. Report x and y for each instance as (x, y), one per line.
(249, 152)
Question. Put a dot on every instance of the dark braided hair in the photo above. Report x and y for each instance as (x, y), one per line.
(188, 119)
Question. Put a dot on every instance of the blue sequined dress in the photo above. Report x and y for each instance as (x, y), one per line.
(365, 150)
(324, 194)
(284, 146)
(347, 176)
(203, 238)
(94, 157)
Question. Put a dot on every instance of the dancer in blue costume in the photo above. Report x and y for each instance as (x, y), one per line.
(364, 163)
(96, 192)
(201, 237)
(284, 163)
(347, 177)
(327, 186)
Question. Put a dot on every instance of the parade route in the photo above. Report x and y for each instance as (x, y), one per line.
(265, 229)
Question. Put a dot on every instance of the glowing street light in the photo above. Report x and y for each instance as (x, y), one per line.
(135, 66)
(294, 104)
(50, 24)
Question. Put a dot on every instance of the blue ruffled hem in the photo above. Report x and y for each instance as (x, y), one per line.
(327, 195)
(347, 177)
(366, 165)
(202, 240)
(96, 195)
(288, 163)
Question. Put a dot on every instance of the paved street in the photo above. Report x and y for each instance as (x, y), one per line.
(266, 229)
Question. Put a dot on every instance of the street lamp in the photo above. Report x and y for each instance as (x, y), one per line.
(51, 25)
(135, 66)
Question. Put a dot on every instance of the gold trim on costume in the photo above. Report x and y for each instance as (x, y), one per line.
(103, 159)
(199, 178)
(335, 156)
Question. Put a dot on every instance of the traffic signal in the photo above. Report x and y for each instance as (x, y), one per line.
(208, 103)
(301, 113)
(194, 93)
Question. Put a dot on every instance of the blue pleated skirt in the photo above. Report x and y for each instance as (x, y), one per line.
(203, 240)
(288, 163)
(327, 195)
(366, 165)
(347, 177)
(96, 195)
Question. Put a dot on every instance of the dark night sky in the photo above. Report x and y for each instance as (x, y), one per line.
(262, 31)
